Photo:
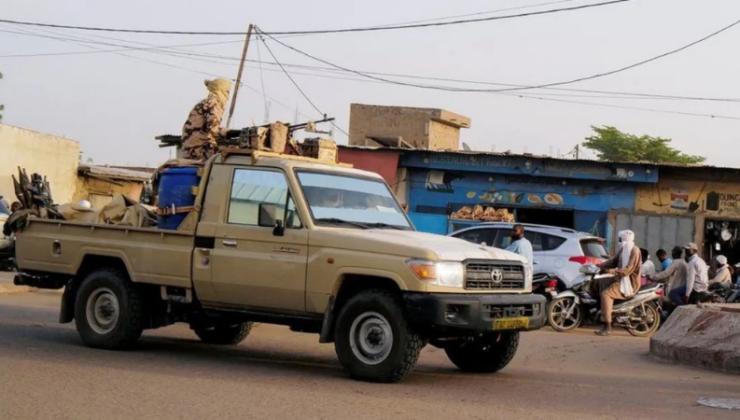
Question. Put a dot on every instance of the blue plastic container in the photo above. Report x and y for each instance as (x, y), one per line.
(175, 189)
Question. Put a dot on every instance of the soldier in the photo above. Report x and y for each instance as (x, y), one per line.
(203, 127)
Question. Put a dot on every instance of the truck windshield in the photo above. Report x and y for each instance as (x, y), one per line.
(349, 201)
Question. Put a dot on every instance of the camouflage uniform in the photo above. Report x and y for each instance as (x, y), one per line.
(203, 127)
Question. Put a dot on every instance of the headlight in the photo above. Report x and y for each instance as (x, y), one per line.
(527, 277)
(442, 273)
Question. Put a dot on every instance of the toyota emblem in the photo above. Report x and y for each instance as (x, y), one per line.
(497, 275)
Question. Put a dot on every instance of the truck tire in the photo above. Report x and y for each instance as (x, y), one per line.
(228, 335)
(487, 354)
(108, 310)
(373, 339)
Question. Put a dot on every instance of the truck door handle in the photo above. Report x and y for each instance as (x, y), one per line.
(229, 243)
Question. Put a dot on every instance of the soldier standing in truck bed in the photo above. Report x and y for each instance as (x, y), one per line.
(203, 127)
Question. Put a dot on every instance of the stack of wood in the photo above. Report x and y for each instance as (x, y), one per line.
(479, 213)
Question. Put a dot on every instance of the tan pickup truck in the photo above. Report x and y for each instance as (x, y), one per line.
(320, 248)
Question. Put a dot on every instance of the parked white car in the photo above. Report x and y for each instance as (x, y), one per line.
(558, 251)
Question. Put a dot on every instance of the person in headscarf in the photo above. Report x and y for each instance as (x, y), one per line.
(625, 266)
(203, 127)
(722, 276)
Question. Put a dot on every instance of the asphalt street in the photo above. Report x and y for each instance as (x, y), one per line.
(46, 373)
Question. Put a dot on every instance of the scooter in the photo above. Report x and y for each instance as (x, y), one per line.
(640, 315)
(545, 284)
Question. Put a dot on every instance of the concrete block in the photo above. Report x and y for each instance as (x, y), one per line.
(703, 337)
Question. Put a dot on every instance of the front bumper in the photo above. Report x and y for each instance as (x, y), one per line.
(432, 312)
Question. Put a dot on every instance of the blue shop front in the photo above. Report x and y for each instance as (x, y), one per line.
(575, 194)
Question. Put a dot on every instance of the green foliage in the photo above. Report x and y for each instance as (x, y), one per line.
(614, 145)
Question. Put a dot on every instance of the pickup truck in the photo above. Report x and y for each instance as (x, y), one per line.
(320, 248)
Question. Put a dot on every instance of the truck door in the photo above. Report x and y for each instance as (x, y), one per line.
(251, 265)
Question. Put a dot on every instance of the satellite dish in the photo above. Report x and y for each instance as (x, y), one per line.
(466, 147)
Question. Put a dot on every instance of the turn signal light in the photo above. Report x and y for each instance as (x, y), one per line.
(551, 284)
(424, 270)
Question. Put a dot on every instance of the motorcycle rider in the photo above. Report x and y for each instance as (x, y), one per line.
(625, 266)
(722, 276)
(674, 276)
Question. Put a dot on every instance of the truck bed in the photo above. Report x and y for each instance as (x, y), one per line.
(151, 255)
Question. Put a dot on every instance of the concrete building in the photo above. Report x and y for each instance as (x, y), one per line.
(664, 204)
(52, 156)
(397, 126)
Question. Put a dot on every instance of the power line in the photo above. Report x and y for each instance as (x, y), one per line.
(664, 111)
(456, 89)
(320, 31)
(631, 66)
(193, 56)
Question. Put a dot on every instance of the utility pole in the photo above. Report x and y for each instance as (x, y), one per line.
(239, 76)
(578, 151)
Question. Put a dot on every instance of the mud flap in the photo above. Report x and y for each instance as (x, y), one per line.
(67, 312)
(327, 327)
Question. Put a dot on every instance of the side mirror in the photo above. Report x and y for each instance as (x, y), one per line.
(267, 214)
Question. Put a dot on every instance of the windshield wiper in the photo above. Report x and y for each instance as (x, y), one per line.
(336, 221)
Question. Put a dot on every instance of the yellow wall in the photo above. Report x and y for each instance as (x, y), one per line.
(86, 186)
(53, 156)
(711, 199)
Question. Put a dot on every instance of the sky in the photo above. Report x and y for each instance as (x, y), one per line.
(115, 105)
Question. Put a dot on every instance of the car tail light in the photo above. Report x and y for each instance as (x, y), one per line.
(659, 292)
(585, 260)
(551, 284)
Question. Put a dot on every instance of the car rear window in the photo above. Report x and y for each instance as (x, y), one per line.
(594, 248)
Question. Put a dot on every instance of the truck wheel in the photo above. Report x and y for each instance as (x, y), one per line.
(487, 354)
(373, 339)
(108, 310)
(230, 335)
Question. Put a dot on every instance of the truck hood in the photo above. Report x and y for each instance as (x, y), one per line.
(415, 244)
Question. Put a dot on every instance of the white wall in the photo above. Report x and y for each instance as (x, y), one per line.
(53, 156)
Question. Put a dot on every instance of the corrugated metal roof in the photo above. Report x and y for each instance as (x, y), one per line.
(114, 173)
(533, 156)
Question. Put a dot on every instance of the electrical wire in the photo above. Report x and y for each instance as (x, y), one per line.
(320, 31)
(456, 89)
(296, 83)
(195, 56)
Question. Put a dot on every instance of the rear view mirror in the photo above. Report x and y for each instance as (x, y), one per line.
(267, 214)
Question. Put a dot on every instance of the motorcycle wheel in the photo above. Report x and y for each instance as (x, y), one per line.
(651, 319)
(558, 317)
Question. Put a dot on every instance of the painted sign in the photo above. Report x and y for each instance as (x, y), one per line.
(440, 189)
(522, 165)
(689, 197)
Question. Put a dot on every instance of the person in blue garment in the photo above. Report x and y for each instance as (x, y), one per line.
(665, 260)
(521, 245)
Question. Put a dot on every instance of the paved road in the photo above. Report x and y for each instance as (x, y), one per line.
(45, 373)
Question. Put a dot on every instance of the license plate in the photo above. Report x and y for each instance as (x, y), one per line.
(521, 323)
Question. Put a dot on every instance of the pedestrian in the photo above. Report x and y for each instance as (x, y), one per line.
(648, 268)
(665, 261)
(203, 127)
(625, 266)
(521, 245)
(723, 275)
(674, 276)
(697, 278)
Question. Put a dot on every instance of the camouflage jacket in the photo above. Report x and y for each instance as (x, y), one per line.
(203, 126)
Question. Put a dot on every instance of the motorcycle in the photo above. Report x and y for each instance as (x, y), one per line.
(717, 294)
(545, 284)
(640, 315)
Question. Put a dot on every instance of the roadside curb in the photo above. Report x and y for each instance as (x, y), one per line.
(705, 337)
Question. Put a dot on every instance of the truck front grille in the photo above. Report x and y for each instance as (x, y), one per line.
(494, 276)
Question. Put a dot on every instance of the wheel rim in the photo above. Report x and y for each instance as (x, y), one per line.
(650, 318)
(103, 310)
(565, 313)
(371, 338)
